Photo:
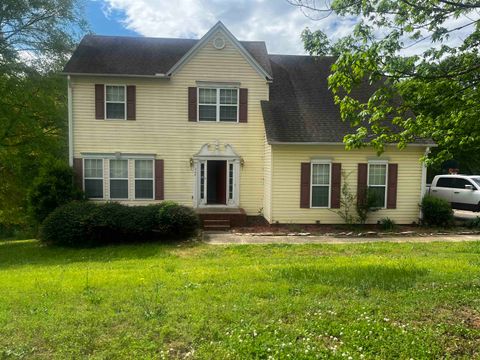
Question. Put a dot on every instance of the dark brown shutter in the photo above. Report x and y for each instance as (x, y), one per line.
(336, 185)
(392, 186)
(78, 172)
(305, 185)
(362, 183)
(159, 183)
(243, 111)
(131, 102)
(192, 104)
(99, 101)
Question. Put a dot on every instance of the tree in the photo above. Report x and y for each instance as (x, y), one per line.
(438, 85)
(35, 39)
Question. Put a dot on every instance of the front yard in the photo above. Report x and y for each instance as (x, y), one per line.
(358, 301)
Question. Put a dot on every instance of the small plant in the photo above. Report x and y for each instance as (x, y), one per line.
(473, 223)
(436, 212)
(367, 205)
(347, 202)
(387, 224)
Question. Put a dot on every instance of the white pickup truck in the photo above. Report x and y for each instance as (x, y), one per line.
(462, 191)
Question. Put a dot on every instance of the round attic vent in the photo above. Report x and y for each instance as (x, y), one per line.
(219, 43)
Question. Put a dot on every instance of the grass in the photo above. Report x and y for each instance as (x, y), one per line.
(380, 300)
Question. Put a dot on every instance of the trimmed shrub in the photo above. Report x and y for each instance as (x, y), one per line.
(53, 187)
(177, 221)
(85, 224)
(436, 212)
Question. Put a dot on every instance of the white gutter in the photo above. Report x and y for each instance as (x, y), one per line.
(70, 122)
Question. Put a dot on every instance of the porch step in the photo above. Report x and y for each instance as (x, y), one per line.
(216, 224)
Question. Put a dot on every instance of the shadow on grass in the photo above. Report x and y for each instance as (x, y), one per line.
(360, 277)
(32, 252)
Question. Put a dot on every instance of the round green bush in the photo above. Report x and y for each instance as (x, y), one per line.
(86, 224)
(436, 212)
(177, 221)
(53, 187)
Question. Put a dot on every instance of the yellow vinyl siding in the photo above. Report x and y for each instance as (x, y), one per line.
(162, 127)
(286, 182)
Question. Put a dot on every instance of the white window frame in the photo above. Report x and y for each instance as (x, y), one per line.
(379, 162)
(217, 104)
(116, 102)
(135, 179)
(110, 179)
(321, 162)
(94, 178)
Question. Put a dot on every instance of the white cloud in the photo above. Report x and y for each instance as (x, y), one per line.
(276, 22)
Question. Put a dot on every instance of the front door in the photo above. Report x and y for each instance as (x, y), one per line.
(216, 182)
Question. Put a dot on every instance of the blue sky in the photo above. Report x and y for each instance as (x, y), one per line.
(276, 22)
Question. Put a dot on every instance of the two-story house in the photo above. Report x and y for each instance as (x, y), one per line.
(221, 125)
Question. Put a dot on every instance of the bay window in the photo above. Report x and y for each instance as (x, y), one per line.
(119, 179)
(143, 179)
(93, 178)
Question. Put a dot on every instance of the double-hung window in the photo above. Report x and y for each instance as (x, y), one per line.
(118, 179)
(143, 179)
(217, 104)
(320, 185)
(115, 104)
(93, 178)
(377, 183)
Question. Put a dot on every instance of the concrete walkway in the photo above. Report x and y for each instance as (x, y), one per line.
(232, 239)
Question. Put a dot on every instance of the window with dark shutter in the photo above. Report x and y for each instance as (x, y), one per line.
(305, 185)
(362, 183)
(159, 180)
(192, 104)
(392, 186)
(131, 102)
(99, 101)
(336, 185)
(243, 111)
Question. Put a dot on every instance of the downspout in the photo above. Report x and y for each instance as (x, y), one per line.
(70, 122)
(423, 187)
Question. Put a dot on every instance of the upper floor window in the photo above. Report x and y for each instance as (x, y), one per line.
(115, 104)
(217, 104)
(377, 183)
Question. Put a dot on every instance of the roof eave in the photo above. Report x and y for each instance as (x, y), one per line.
(155, 76)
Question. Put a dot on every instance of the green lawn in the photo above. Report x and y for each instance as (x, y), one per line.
(277, 301)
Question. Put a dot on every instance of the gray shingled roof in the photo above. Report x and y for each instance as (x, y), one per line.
(301, 107)
(126, 55)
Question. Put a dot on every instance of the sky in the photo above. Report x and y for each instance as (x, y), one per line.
(276, 22)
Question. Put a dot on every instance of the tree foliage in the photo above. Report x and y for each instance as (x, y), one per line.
(35, 39)
(426, 52)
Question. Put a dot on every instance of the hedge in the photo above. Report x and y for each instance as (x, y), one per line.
(86, 224)
(436, 212)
